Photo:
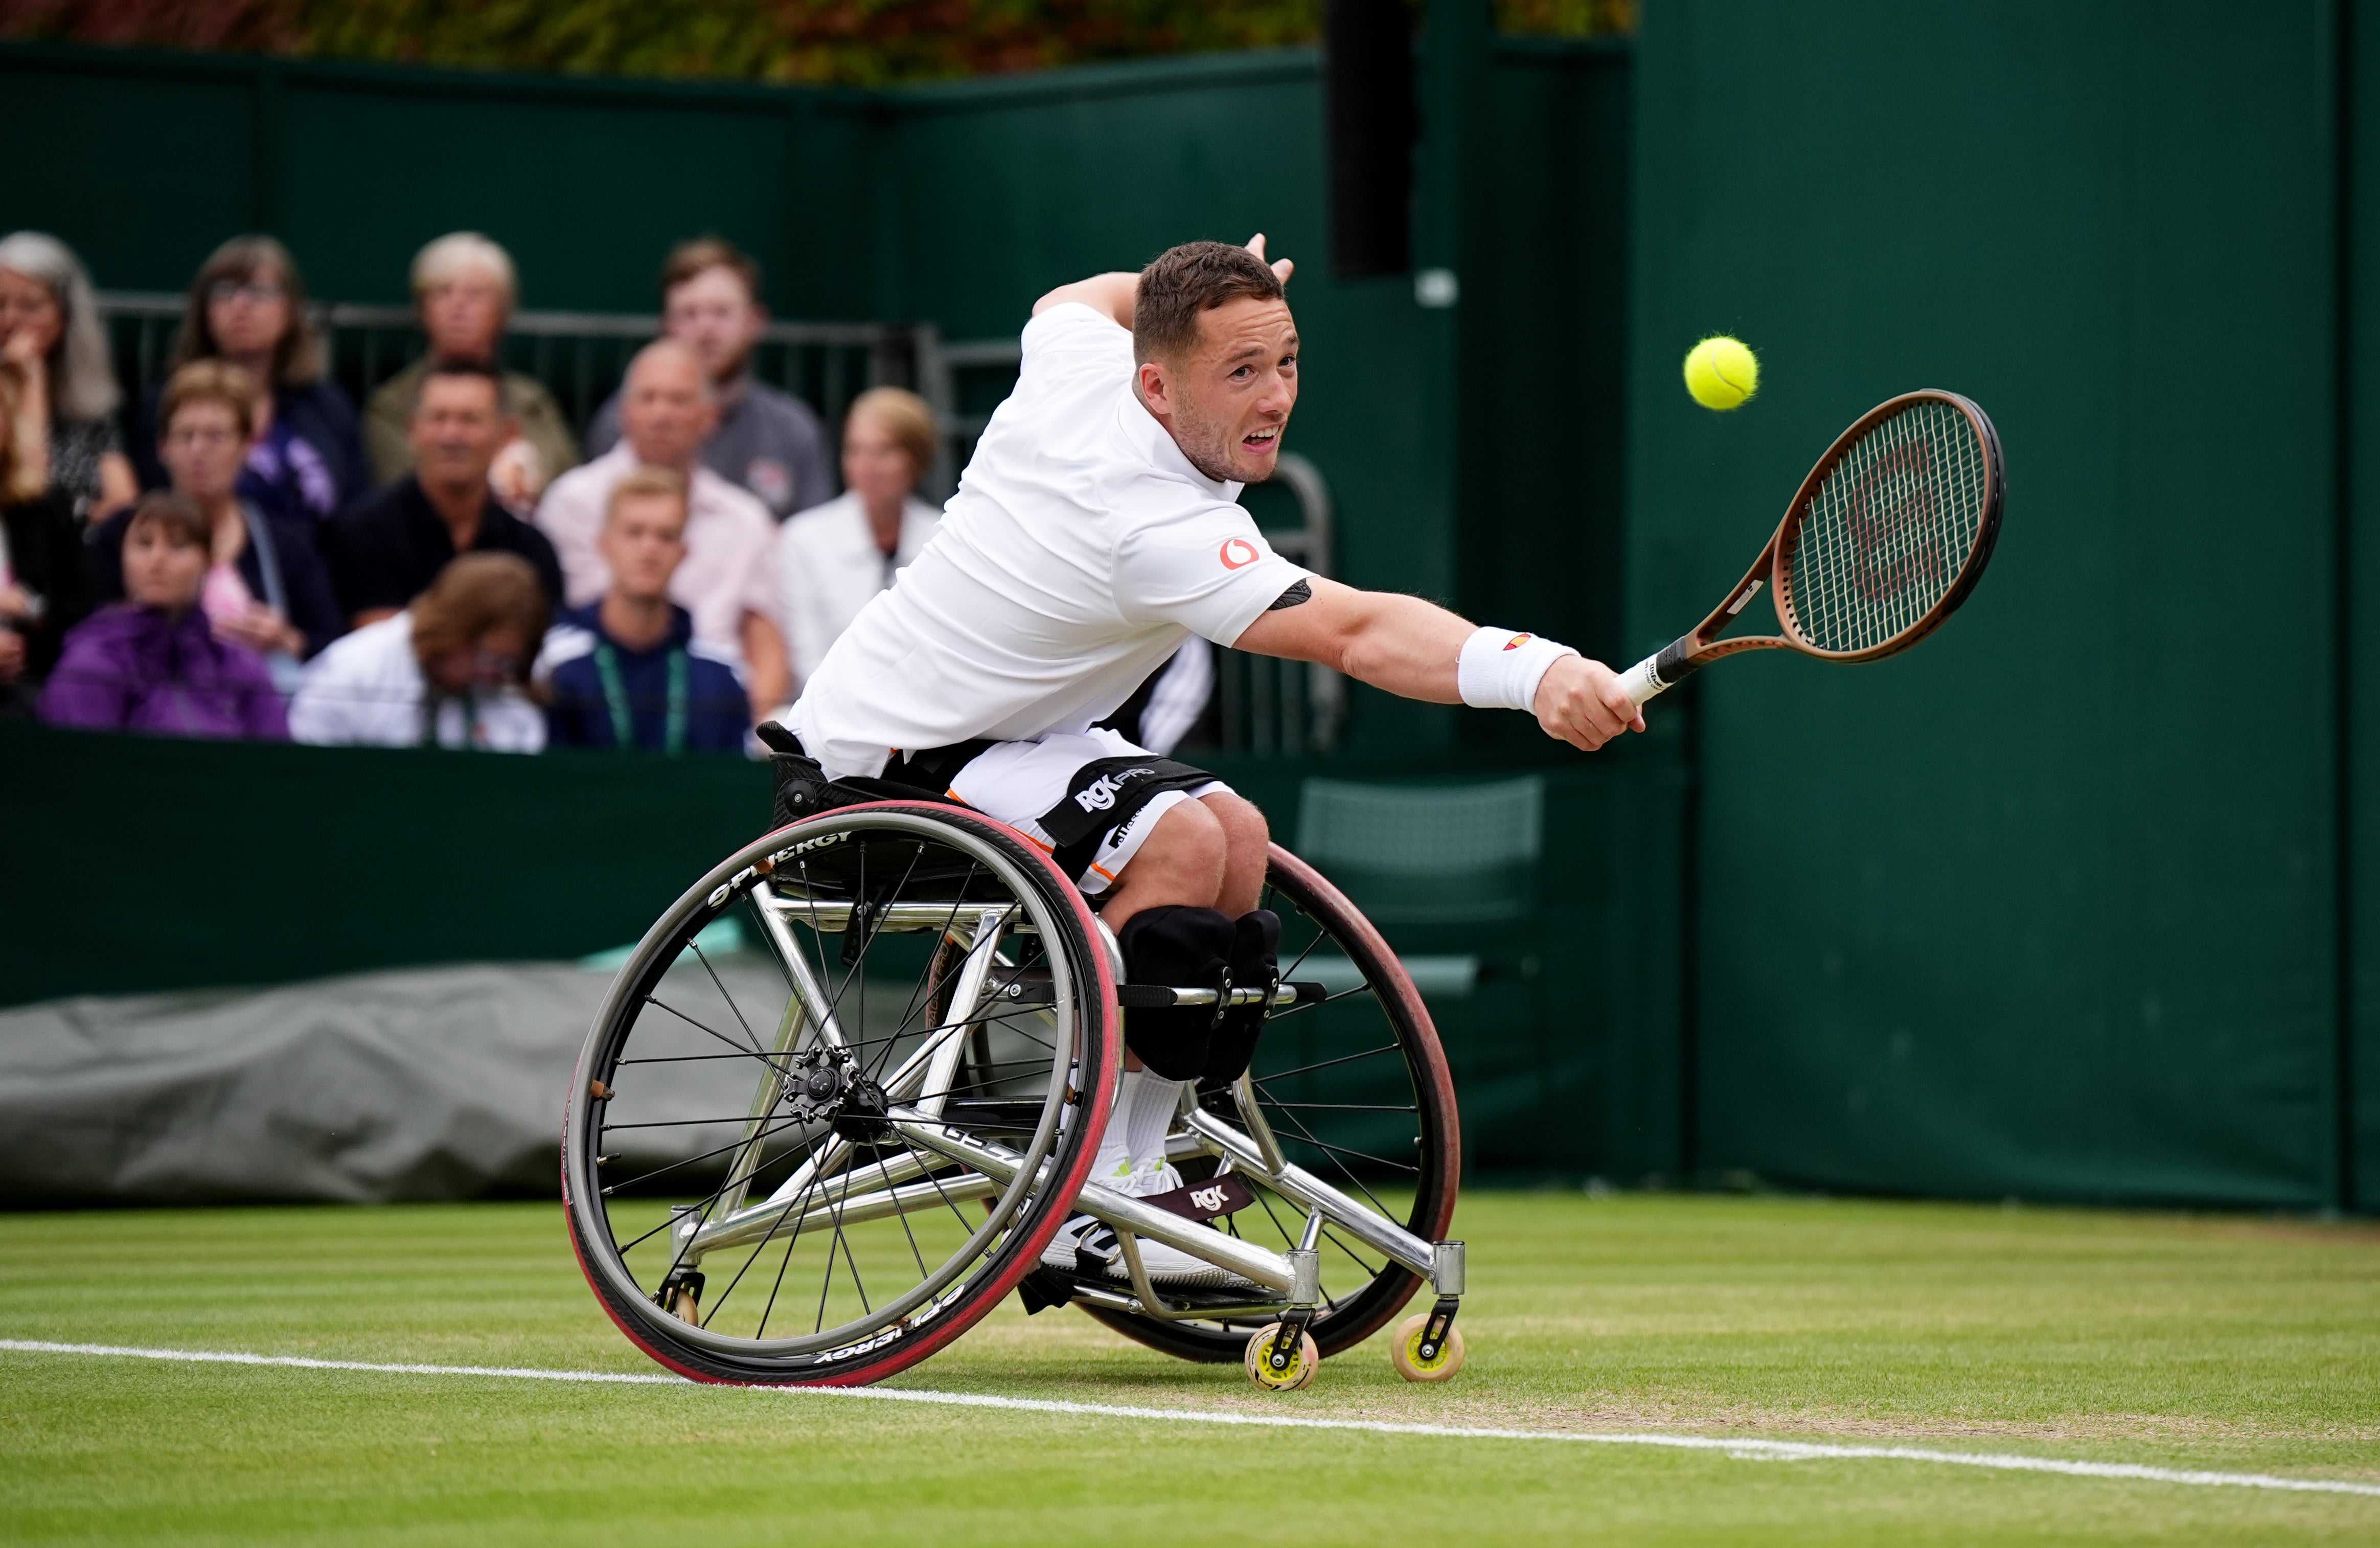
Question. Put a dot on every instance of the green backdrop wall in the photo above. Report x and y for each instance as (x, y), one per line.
(2077, 901)
(2053, 906)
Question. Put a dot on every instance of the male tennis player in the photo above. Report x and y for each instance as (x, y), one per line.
(1094, 527)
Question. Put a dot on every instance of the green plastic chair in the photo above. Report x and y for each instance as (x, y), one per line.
(1421, 854)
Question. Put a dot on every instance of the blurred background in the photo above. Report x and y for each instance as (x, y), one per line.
(2080, 902)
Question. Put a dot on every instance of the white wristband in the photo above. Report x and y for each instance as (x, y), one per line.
(1500, 670)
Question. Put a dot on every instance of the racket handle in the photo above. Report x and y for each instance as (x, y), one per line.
(1662, 671)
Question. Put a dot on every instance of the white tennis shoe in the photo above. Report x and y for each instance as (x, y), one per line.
(1087, 1249)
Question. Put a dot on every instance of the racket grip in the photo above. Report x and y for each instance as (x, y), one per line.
(1660, 672)
(1640, 682)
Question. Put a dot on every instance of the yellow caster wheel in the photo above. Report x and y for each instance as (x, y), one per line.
(1405, 1353)
(1304, 1361)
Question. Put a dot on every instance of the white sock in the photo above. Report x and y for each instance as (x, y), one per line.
(1144, 1111)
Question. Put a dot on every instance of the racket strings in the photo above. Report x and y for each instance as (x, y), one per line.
(1890, 530)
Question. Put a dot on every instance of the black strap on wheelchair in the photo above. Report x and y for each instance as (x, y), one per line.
(802, 790)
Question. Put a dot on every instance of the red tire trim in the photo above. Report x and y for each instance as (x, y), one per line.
(908, 1352)
(1438, 1092)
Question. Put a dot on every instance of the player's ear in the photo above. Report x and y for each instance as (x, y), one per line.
(1154, 386)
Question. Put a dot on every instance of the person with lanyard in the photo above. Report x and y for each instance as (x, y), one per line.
(626, 672)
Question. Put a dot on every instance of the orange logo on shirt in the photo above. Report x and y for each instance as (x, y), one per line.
(1516, 641)
(1237, 554)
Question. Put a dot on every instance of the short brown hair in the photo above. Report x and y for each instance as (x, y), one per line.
(473, 594)
(466, 371)
(298, 359)
(666, 483)
(1186, 281)
(907, 416)
(180, 516)
(209, 382)
(689, 259)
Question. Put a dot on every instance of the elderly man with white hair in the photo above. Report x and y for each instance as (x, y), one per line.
(464, 289)
(669, 408)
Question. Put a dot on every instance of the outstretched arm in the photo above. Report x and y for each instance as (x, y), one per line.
(1113, 294)
(1411, 648)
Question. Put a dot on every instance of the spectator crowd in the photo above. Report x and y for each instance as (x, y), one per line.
(234, 551)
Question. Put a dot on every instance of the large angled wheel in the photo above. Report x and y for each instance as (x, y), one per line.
(1356, 1090)
(840, 1097)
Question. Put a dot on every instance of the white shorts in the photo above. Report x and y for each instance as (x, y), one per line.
(1020, 783)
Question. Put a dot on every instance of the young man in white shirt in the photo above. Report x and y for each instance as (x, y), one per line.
(1095, 527)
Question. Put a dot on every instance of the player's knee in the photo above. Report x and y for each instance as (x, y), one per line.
(1245, 835)
(1190, 845)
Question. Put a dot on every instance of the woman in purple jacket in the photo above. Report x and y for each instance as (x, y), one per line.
(154, 664)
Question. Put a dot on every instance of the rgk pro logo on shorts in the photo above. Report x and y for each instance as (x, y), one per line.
(1101, 794)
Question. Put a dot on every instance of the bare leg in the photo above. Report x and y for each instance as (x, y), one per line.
(1245, 839)
(1181, 862)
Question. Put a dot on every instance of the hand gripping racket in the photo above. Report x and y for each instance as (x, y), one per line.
(1884, 539)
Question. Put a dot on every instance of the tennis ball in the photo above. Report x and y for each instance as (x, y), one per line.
(1721, 373)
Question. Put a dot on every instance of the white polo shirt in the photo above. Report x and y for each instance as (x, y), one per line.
(1081, 550)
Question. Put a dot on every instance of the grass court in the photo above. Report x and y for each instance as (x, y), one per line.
(2223, 1344)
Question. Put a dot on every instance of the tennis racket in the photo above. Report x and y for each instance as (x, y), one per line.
(1884, 539)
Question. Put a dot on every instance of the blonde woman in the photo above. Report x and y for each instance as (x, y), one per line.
(55, 347)
(832, 558)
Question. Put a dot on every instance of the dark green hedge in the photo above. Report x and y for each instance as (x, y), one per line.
(839, 42)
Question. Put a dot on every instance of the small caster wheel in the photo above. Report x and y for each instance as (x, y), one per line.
(1405, 1353)
(681, 1296)
(1304, 1360)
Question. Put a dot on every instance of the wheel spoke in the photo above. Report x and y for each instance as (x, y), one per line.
(1342, 1059)
(750, 1050)
(732, 1008)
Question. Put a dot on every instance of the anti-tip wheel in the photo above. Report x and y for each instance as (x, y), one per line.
(1405, 1352)
(1304, 1360)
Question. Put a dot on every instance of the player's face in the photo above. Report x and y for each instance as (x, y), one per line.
(1232, 399)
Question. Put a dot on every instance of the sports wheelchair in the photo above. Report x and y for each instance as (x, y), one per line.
(819, 1161)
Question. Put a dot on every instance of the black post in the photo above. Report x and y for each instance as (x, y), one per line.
(1368, 78)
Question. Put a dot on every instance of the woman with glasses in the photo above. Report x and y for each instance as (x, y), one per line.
(248, 308)
(55, 348)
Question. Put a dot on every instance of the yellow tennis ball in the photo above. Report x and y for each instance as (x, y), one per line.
(1721, 373)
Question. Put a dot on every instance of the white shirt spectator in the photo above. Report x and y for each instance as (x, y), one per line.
(728, 572)
(828, 567)
(367, 689)
(1081, 550)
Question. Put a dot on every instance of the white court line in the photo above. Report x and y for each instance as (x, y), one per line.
(1743, 1450)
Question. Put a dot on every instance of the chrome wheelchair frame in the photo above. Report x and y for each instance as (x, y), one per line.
(736, 1113)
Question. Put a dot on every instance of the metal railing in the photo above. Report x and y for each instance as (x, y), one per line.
(1270, 708)
(579, 356)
